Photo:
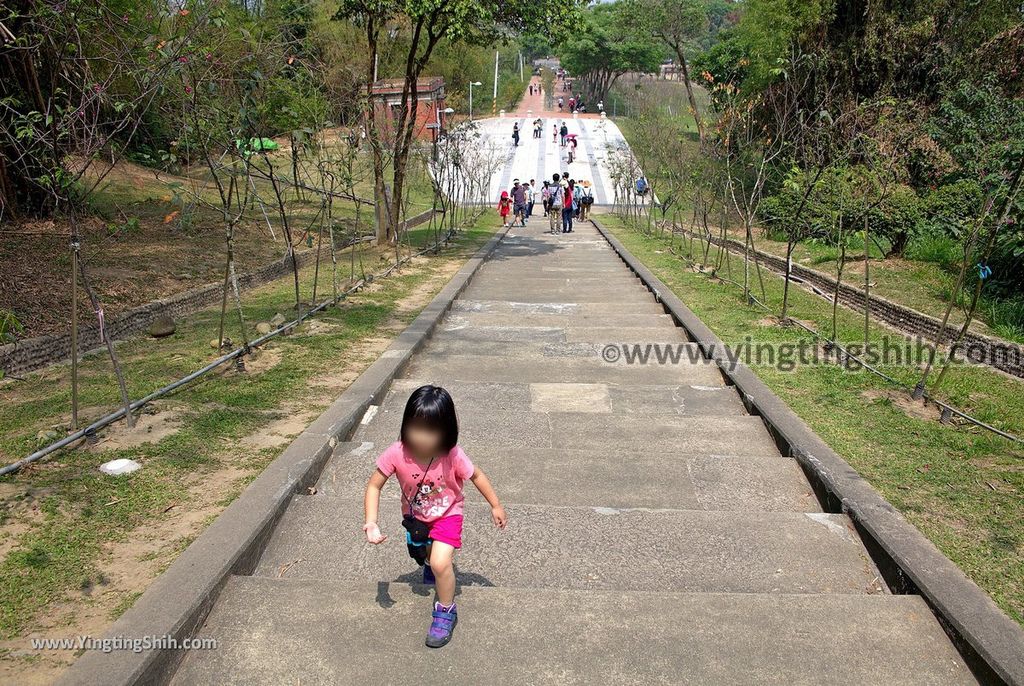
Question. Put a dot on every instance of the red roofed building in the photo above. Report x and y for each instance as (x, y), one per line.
(387, 96)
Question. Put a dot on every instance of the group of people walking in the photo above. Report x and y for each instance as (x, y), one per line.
(564, 201)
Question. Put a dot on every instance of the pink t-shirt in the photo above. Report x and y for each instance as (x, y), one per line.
(441, 492)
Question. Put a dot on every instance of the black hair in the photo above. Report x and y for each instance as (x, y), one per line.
(555, 178)
(432, 406)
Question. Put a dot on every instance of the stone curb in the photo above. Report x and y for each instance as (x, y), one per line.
(990, 641)
(177, 603)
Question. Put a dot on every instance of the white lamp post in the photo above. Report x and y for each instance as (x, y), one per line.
(471, 84)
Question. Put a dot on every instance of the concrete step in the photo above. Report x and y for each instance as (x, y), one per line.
(569, 268)
(273, 631)
(731, 435)
(685, 353)
(441, 369)
(586, 548)
(511, 307)
(622, 320)
(476, 401)
(529, 276)
(453, 329)
(529, 292)
(551, 477)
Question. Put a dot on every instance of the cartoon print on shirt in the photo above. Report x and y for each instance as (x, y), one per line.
(431, 501)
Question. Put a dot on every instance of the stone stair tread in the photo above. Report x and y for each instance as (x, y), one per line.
(551, 477)
(737, 435)
(442, 368)
(474, 400)
(567, 306)
(587, 548)
(563, 333)
(317, 632)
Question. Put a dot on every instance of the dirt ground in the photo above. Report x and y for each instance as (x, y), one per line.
(128, 566)
(174, 246)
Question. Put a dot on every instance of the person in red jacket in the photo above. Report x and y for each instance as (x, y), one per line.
(567, 205)
(504, 207)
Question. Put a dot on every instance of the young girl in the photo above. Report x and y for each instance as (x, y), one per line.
(504, 207)
(431, 470)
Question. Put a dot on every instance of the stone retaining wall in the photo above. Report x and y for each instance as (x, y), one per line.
(35, 353)
(995, 352)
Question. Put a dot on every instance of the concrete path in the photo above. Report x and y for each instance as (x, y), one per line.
(656, 535)
(539, 158)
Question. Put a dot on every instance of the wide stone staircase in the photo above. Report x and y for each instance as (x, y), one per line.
(656, 534)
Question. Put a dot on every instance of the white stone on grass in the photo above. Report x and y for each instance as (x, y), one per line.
(119, 466)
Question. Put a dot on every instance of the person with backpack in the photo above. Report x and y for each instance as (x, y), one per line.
(555, 203)
(563, 132)
(641, 187)
(586, 200)
(519, 203)
(568, 205)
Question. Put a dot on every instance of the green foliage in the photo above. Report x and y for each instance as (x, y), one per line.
(10, 327)
(535, 46)
(607, 44)
(936, 249)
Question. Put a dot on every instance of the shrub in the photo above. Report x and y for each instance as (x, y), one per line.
(937, 249)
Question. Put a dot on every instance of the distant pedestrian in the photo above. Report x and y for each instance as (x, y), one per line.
(554, 133)
(586, 200)
(572, 104)
(568, 203)
(519, 203)
(555, 204)
(531, 197)
(563, 132)
(515, 135)
(560, 103)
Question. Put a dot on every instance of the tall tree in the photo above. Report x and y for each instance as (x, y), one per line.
(681, 25)
(421, 25)
(605, 46)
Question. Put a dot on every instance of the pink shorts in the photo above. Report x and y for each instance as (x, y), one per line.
(448, 530)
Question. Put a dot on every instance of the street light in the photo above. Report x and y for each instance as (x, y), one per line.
(471, 84)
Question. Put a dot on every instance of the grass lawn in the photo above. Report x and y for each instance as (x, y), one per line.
(918, 281)
(961, 486)
(77, 547)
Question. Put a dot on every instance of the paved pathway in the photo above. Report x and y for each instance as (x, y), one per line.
(600, 141)
(656, 535)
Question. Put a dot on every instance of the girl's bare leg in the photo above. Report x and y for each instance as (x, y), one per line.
(442, 556)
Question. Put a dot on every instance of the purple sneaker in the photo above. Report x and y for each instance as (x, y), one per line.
(442, 626)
